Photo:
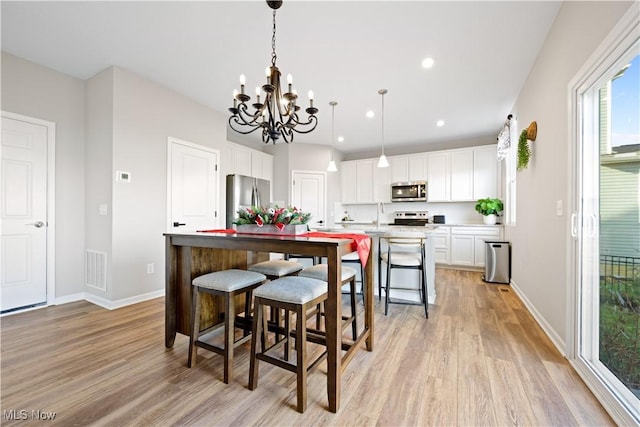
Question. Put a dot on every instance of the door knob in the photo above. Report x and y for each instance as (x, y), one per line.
(178, 224)
(38, 224)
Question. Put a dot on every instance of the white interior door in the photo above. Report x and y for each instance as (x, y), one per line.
(193, 187)
(24, 214)
(309, 195)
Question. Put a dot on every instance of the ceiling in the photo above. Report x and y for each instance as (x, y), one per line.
(342, 50)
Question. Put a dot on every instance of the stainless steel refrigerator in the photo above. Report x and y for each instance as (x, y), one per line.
(243, 192)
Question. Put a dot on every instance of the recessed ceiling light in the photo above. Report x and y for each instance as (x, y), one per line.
(370, 114)
(427, 63)
(341, 139)
(440, 123)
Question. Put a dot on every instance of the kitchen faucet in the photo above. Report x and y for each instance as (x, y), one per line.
(379, 208)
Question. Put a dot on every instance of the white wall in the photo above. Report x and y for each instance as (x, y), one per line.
(540, 238)
(39, 92)
(144, 116)
(98, 179)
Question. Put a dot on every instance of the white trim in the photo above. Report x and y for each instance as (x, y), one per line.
(617, 44)
(51, 197)
(556, 339)
(112, 305)
(170, 142)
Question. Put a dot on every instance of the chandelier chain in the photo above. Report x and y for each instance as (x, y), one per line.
(273, 41)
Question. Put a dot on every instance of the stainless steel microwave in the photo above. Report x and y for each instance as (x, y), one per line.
(414, 191)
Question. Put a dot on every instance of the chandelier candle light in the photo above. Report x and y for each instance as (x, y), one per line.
(382, 162)
(277, 116)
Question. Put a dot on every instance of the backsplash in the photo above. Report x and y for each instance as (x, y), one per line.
(455, 212)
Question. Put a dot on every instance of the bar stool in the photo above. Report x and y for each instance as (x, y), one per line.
(320, 272)
(276, 268)
(228, 284)
(405, 250)
(294, 294)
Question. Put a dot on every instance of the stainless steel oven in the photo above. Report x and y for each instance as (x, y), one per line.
(413, 191)
(411, 218)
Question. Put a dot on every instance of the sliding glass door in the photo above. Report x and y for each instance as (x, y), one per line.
(606, 228)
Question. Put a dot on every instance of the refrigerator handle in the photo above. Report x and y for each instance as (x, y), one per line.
(255, 195)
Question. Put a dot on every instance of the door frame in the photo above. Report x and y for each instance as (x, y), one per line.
(324, 195)
(170, 141)
(51, 200)
(618, 41)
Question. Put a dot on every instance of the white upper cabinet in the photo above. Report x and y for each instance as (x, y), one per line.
(438, 176)
(462, 175)
(348, 178)
(364, 181)
(408, 168)
(399, 168)
(418, 167)
(382, 184)
(458, 175)
(261, 165)
(248, 162)
(240, 160)
(461, 168)
(485, 173)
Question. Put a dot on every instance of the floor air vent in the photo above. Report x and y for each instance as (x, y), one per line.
(95, 269)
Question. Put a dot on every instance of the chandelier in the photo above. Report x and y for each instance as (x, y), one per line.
(277, 116)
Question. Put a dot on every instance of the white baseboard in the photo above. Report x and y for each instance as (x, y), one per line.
(112, 305)
(557, 341)
(94, 299)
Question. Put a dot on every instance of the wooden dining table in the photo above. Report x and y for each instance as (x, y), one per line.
(191, 254)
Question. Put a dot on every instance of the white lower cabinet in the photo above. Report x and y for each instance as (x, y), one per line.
(441, 251)
(468, 244)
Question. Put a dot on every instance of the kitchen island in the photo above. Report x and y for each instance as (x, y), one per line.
(405, 276)
(189, 255)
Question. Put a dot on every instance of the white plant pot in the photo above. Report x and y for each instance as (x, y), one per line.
(489, 219)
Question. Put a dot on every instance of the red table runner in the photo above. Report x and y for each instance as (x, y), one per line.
(361, 242)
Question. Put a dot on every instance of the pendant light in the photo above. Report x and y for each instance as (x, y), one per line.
(332, 164)
(382, 162)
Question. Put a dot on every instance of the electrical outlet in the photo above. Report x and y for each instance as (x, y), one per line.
(151, 268)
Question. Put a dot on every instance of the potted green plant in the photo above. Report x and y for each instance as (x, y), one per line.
(489, 208)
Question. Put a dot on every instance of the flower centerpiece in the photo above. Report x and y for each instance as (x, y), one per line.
(263, 220)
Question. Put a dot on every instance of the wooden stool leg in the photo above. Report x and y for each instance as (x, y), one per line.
(258, 333)
(301, 352)
(354, 297)
(287, 331)
(229, 335)
(195, 326)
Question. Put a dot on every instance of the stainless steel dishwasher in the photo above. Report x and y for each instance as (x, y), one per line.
(497, 262)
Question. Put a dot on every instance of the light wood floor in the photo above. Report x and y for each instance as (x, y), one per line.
(479, 360)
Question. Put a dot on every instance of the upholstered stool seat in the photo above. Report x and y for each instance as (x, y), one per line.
(320, 272)
(227, 284)
(294, 294)
(276, 268)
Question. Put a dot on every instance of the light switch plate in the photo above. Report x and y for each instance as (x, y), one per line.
(559, 208)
